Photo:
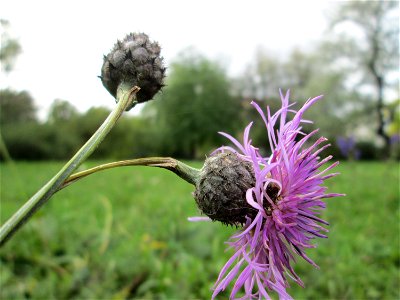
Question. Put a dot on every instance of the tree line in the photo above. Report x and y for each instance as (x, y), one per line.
(200, 99)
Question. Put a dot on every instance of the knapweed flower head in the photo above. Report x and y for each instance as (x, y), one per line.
(135, 61)
(278, 202)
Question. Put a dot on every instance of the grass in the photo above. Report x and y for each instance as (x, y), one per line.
(124, 234)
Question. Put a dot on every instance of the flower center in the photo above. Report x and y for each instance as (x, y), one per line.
(272, 191)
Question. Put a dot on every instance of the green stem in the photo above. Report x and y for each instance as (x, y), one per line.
(184, 171)
(125, 100)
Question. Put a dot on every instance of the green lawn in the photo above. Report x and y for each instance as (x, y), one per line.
(124, 234)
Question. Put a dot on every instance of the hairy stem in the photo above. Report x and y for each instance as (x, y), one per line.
(126, 98)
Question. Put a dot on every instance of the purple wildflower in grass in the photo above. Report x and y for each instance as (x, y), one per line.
(348, 148)
(395, 139)
(346, 145)
(287, 197)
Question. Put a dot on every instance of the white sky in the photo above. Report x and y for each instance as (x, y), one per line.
(63, 42)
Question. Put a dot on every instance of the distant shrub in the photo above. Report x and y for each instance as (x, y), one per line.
(25, 141)
(369, 150)
(395, 146)
(351, 149)
(348, 147)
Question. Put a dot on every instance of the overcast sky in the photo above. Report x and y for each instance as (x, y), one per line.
(63, 42)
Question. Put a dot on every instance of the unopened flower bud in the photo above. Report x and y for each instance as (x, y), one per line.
(221, 189)
(134, 61)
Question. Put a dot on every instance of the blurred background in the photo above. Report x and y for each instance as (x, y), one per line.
(123, 234)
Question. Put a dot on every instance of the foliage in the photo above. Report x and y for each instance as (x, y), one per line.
(20, 130)
(99, 239)
(195, 105)
(393, 118)
(301, 72)
(10, 47)
(200, 100)
(263, 77)
(375, 34)
(184, 121)
(368, 150)
(372, 48)
(16, 107)
(61, 111)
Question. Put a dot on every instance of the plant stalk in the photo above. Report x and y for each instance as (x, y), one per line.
(126, 99)
(184, 171)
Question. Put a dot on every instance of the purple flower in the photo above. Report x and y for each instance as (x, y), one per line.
(395, 139)
(287, 196)
(347, 147)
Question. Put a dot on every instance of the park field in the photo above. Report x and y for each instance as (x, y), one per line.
(124, 234)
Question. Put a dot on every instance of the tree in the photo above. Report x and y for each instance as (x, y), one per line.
(89, 122)
(312, 73)
(19, 126)
(62, 130)
(262, 78)
(10, 48)
(377, 51)
(306, 74)
(195, 105)
(16, 107)
(61, 111)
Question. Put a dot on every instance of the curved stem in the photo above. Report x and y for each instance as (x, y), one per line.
(125, 100)
(184, 171)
